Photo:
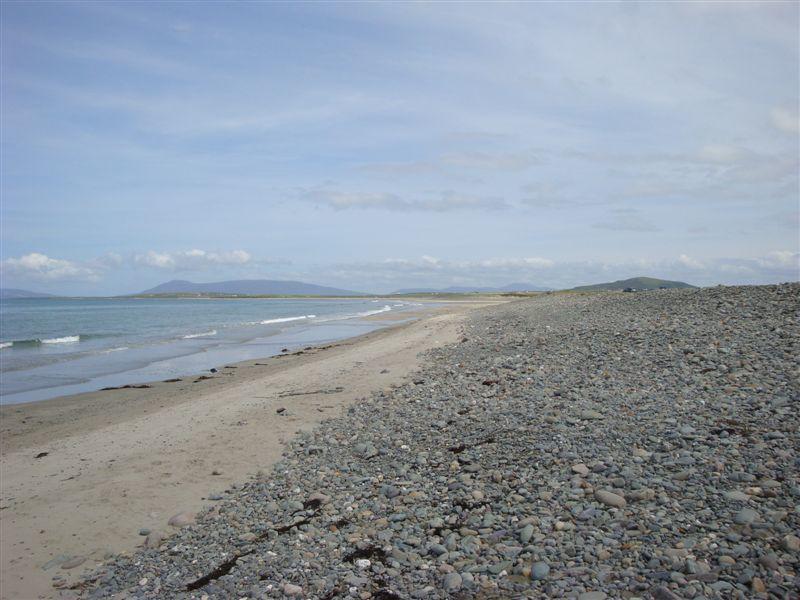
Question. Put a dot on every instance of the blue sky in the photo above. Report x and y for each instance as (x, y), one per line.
(376, 146)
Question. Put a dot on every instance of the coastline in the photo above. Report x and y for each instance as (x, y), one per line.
(122, 460)
(77, 364)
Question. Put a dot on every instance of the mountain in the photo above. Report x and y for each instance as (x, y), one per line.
(8, 293)
(249, 287)
(636, 283)
(511, 287)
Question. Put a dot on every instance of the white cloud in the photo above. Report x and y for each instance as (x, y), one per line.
(780, 258)
(707, 155)
(396, 273)
(546, 195)
(37, 266)
(497, 162)
(689, 262)
(450, 200)
(502, 263)
(652, 189)
(191, 260)
(345, 200)
(444, 202)
(110, 260)
(627, 219)
(234, 257)
(767, 169)
(155, 259)
(717, 173)
(428, 271)
(785, 119)
(461, 165)
(721, 153)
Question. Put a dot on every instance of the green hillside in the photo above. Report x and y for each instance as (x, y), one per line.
(636, 283)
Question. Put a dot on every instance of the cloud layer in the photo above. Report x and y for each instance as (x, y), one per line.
(389, 274)
(427, 271)
(604, 137)
(627, 219)
(446, 201)
(191, 260)
(40, 267)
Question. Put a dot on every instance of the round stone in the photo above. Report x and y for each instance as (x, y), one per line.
(526, 534)
(791, 543)
(610, 499)
(452, 582)
(736, 496)
(292, 590)
(581, 469)
(540, 570)
(181, 519)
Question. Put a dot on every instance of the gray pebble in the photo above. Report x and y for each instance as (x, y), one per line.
(452, 582)
(636, 444)
(539, 570)
(746, 516)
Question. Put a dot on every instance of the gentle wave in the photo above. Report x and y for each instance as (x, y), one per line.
(369, 313)
(120, 349)
(73, 339)
(197, 335)
(67, 339)
(286, 319)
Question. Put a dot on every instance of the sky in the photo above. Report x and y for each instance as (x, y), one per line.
(377, 146)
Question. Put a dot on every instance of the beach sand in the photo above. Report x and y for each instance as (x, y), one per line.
(82, 475)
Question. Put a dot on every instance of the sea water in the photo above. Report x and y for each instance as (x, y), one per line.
(55, 346)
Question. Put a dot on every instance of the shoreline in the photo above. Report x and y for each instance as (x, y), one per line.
(83, 474)
(90, 370)
(28, 420)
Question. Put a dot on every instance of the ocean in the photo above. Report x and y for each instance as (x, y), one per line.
(56, 346)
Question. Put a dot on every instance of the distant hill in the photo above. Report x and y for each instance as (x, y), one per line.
(636, 283)
(8, 293)
(249, 287)
(511, 287)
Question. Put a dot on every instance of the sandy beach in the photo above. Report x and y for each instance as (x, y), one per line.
(82, 475)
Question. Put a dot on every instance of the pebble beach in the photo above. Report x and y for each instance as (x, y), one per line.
(589, 446)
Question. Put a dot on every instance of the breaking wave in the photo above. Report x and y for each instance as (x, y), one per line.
(67, 339)
(367, 313)
(286, 319)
